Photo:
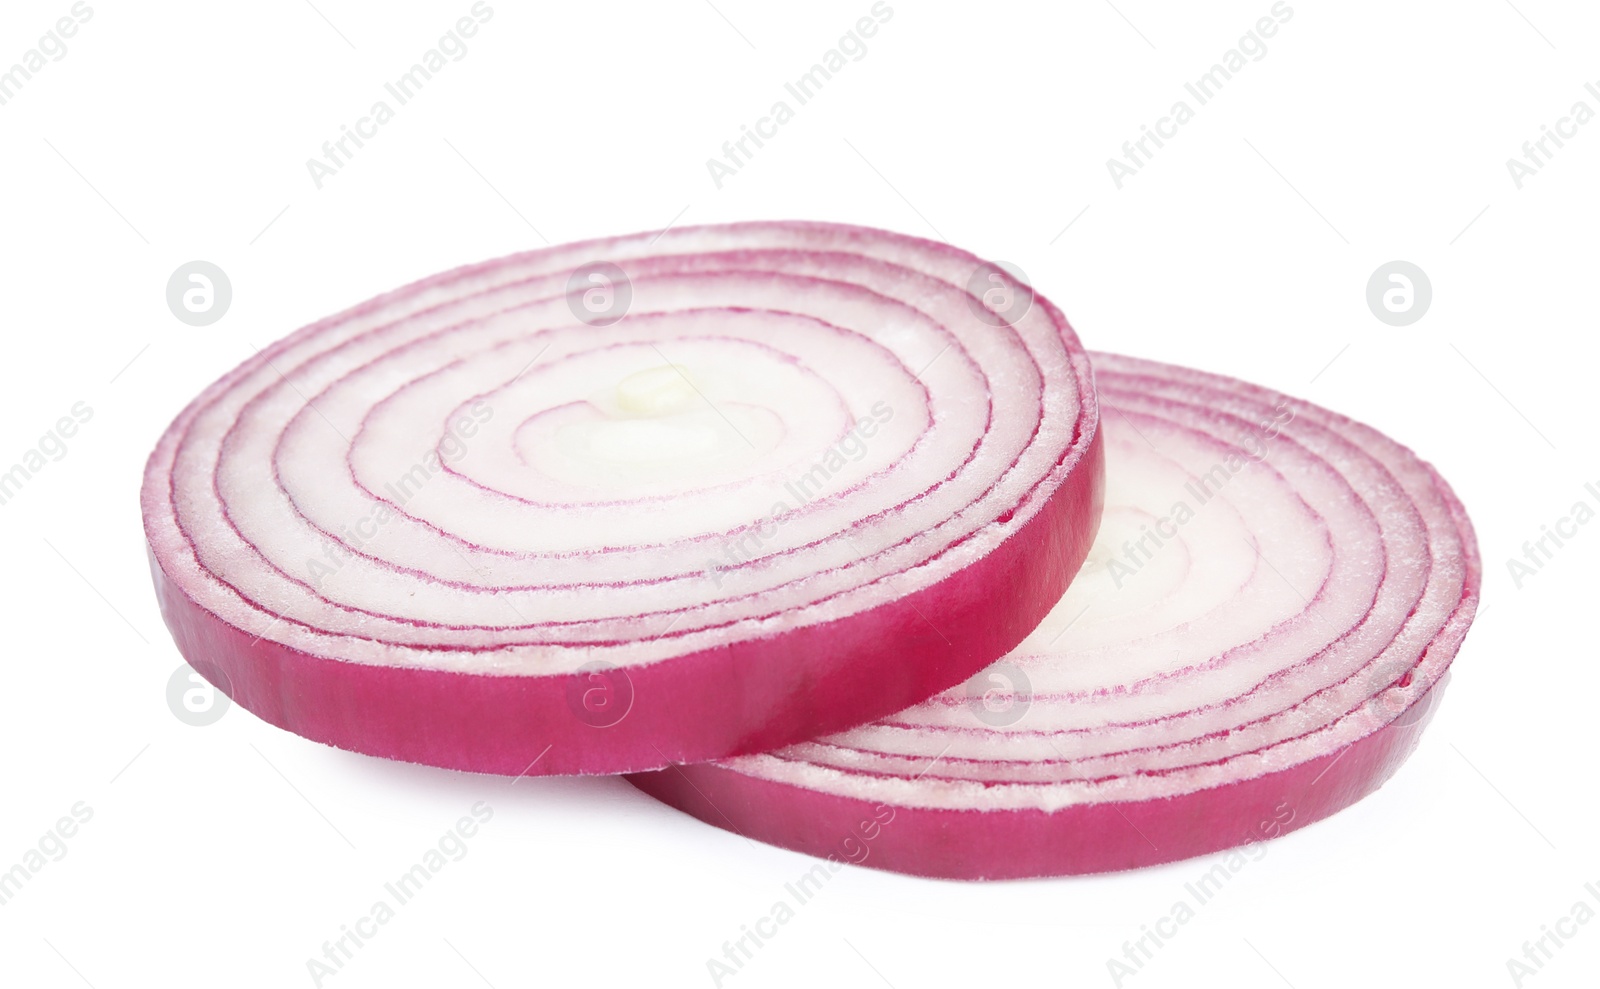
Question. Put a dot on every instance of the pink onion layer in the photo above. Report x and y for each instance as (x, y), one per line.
(1256, 641)
(631, 502)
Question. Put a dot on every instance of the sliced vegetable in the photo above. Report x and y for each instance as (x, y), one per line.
(612, 505)
(1256, 641)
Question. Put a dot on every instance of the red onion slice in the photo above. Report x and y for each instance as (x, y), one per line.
(618, 504)
(1255, 642)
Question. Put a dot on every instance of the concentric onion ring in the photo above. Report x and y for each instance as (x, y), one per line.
(624, 503)
(1255, 642)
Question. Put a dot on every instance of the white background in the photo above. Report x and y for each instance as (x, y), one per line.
(227, 855)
